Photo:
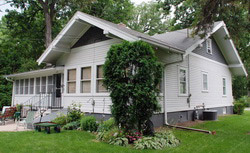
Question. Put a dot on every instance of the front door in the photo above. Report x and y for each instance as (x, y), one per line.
(58, 94)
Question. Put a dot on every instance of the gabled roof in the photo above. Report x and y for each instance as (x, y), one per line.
(81, 22)
(182, 40)
(176, 41)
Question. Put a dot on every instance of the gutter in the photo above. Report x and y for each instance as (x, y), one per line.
(164, 104)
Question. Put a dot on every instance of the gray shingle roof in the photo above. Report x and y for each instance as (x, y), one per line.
(179, 38)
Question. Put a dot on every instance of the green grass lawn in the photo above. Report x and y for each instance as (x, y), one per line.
(231, 137)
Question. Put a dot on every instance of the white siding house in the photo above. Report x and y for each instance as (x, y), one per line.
(196, 71)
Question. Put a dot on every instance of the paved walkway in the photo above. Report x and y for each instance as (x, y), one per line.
(11, 126)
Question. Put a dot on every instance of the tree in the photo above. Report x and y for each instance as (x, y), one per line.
(63, 10)
(131, 74)
(201, 14)
(149, 18)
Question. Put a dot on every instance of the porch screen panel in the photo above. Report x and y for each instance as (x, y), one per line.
(32, 86)
(17, 87)
(50, 84)
(21, 86)
(43, 89)
(37, 85)
(26, 91)
(99, 80)
(71, 81)
(86, 80)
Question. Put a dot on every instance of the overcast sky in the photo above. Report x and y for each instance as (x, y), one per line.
(4, 6)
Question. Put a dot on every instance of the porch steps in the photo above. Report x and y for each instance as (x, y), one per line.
(52, 115)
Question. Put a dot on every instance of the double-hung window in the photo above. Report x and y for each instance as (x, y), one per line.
(17, 87)
(204, 81)
(32, 86)
(26, 87)
(71, 81)
(86, 80)
(224, 82)
(100, 88)
(183, 81)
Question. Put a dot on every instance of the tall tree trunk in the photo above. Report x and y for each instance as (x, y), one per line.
(48, 30)
(48, 10)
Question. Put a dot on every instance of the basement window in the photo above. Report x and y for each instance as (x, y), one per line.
(86, 80)
(71, 81)
(209, 46)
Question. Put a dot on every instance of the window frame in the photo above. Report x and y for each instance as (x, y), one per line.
(209, 46)
(224, 87)
(71, 81)
(33, 86)
(186, 71)
(98, 79)
(85, 80)
(202, 81)
(21, 87)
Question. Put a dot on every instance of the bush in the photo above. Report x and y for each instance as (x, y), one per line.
(240, 105)
(88, 123)
(113, 136)
(159, 141)
(106, 125)
(74, 113)
(62, 120)
(133, 135)
(132, 75)
(72, 125)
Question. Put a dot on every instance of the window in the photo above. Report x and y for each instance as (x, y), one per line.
(224, 86)
(43, 89)
(71, 81)
(182, 81)
(209, 46)
(21, 86)
(32, 86)
(86, 80)
(99, 80)
(204, 81)
(37, 85)
(50, 84)
(26, 91)
(17, 87)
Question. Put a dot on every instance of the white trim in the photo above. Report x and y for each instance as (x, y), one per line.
(195, 45)
(224, 95)
(186, 72)
(202, 82)
(80, 34)
(202, 57)
(209, 46)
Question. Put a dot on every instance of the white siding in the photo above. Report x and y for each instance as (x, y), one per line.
(89, 55)
(213, 98)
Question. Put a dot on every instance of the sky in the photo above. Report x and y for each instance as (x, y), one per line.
(4, 6)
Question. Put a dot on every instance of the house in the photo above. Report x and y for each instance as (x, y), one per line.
(197, 72)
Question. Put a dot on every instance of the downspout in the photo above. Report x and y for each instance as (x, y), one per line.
(13, 94)
(164, 102)
(164, 89)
